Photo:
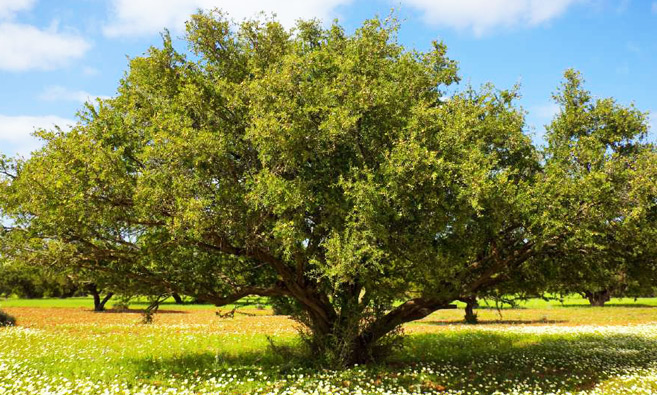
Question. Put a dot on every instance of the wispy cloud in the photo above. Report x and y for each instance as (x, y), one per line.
(60, 93)
(16, 132)
(26, 47)
(9, 8)
(633, 47)
(545, 112)
(654, 7)
(482, 16)
(133, 18)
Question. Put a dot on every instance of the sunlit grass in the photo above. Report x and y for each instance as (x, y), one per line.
(528, 350)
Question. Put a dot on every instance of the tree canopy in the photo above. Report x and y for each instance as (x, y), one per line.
(330, 169)
(600, 167)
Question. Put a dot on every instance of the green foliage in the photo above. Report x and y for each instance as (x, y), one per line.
(329, 168)
(285, 306)
(600, 184)
(28, 281)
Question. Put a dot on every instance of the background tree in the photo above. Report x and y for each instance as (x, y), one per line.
(26, 281)
(600, 175)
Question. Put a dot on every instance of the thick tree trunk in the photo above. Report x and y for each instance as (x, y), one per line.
(364, 347)
(177, 298)
(598, 298)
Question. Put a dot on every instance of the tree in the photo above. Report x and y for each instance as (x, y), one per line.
(312, 166)
(28, 281)
(605, 170)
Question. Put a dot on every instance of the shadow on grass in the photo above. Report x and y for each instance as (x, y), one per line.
(620, 304)
(504, 307)
(550, 362)
(140, 311)
(459, 360)
(492, 322)
(277, 360)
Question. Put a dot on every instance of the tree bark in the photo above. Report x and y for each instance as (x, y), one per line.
(177, 298)
(99, 304)
(411, 310)
(598, 298)
(470, 315)
(106, 299)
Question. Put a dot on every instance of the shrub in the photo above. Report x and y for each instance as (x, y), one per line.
(6, 319)
(283, 305)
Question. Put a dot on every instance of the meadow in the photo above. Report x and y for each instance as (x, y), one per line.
(539, 347)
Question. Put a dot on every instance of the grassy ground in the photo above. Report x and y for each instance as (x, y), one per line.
(537, 348)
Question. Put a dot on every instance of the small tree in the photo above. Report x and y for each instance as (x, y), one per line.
(600, 174)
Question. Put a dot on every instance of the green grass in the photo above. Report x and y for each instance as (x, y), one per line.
(568, 301)
(155, 359)
(610, 350)
(140, 303)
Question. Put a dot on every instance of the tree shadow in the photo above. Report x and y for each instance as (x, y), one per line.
(140, 311)
(278, 360)
(618, 304)
(551, 363)
(504, 307)
(493, 322)
(462, 360)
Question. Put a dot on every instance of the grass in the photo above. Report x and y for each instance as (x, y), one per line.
(534, 349)
(140, 303)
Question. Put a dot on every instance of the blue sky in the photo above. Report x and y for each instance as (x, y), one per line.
(54, 55)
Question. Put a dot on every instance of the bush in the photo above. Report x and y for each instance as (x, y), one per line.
(6, 319)
(283, 305)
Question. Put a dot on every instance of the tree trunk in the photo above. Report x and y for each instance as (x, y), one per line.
(470, 315)
(105, 300)
(177, 298)
(598, 298)
(99, 304)
(368, 344)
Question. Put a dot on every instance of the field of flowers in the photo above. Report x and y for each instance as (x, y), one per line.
(551, 349)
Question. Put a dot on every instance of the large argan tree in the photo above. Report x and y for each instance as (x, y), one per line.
(309, 165)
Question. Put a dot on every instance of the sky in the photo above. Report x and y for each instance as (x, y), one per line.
(55, 55)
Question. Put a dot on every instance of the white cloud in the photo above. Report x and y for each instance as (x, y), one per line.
(8, 8)
(59, 93)
(16, 132)
(26, 47)
(132, 18)
(482, 16)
